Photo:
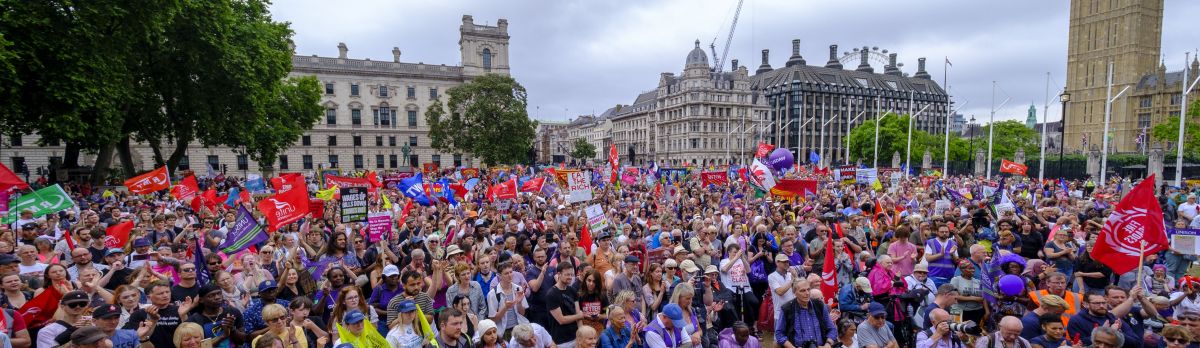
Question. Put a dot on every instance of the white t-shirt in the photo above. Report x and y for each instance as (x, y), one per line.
(1186, 304)
(1188, 210)
(540, 335)
(775, 281)
(36, 269)
(738, 275)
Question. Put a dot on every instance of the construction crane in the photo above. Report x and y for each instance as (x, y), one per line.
(719, 63)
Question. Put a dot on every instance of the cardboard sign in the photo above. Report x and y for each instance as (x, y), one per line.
(579, 187)
(866, 176)
(941, 206)
(597, 221)
(1184, 240)
(378, 224)
(354, 204)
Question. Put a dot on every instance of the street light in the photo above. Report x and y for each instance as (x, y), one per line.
(1062, 138)
(825, 137)
(810, 119)
(763, 129)
(1107, 116)
(878, 119)
(1183, 105)
(727, 145)
(779, 140)
(971, 134)
(847, 136)
(946, 150)
(992, 127)
(908, 148)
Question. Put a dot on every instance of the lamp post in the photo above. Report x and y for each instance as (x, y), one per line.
(878, 119)
(946, 150)
(908, 148)
(971, 134)
(1182, 116)
(824, 138)
(847, 136)
(1107, 117)
(1062, 138)
(992, 128)
(779, 140)
(728, 146)
(810, 119)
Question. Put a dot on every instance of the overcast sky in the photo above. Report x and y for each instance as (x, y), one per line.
(582, 57)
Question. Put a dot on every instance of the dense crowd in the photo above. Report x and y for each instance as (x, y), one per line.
(917, 262)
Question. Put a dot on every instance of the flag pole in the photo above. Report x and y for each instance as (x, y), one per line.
(1141, 261)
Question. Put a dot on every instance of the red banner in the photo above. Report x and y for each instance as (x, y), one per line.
(345, 181)
(186, 188)
(40, 310)
(117, 235)
(430, 168)
(468, 173)
(793, 187)
(8, 179)
(1013, 168)
(764, 149)
(317, 208)
(714, 178)
(286, 181)
(152, 181)
(533, 185)
(505, 190)
(1136, 222)
(285, 208)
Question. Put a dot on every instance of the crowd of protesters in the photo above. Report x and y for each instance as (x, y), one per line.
(914, 265)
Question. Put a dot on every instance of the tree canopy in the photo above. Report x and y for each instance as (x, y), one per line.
(583, 149)
(893, 138)
(1169, 132)
(486, 119)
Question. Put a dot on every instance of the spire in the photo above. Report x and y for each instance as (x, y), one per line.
(795, 59)
(766, 62)
(833, 62)
(892, 68)
(921, 73)
(862, 60)
(1195, 64)
(1031, 119)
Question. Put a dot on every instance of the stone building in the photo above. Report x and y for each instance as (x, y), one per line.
(374, 113)
(1154, 99)
(812, 108)
(551, 142)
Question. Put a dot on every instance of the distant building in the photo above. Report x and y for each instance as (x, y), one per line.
(958, 124)
(1031, 118)
(1155, 99)
(551, 142)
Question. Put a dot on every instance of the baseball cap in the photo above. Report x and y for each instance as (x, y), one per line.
(106, 311)
(74, 297)
(141, 242)
(267, 285)
(30, 226)
(863, 284)
(631, 259)
(407, 306)
(354, 316)
(689, 266)
(8, 259)
(670, 263)
(391, 270)
(673, 312)
(113, 251)
(87, 335)
(603, 235)
(876, 309)
(782, 258)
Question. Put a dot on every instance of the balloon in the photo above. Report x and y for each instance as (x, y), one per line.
(1011, 285)
(781, 159)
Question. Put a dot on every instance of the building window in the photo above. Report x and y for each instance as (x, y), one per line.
(1144, 102)
(487, 59)
(1175, 99)
(308, 162)
(356, 117)
(185, 163)
(214, 162)
(331, 116)
(695, 143)
(412, 141)
(392, 123)
(354, 89)
(333, 161)
(358, 161)
(457, 161)
(357, 140)
(379, 140)
(412, 118)
(379, 161)
(433, 94)
(385, 115)
(436, 159)
(412, 93)
(18, 165)
(331, 141)
(16, 140)
(383, 91)
(329, 88)
(1143, 121)
(392, 159)
(391, 140)
(306, 140)
(243, 162)
(283, 163)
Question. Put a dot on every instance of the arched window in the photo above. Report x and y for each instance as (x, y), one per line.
(487, 59)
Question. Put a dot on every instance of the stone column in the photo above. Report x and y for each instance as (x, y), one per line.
(980, 162)
(896, 159)
(1155, 166)
(1093, 164)
(1019, 157)
(926, 160)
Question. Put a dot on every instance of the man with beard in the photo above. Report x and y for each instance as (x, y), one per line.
(83, 259)
(541, 279)
(413, 284)
(80, 236)
(1095, 314)
(942, 254)
(218, 319)
(169, 314)
(628, 279)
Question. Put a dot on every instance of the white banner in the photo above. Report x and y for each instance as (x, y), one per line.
(579, 187)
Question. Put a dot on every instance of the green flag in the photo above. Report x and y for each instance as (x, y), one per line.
(48, 200)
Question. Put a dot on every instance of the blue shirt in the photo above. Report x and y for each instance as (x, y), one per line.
(613, 339)
(125, 339)
(485, 284)
(253, 314)
(380, 296)
(806, 326)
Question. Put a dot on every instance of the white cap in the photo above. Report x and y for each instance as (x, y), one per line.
(391, 270)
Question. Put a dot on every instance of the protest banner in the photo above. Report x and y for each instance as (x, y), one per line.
(354, 204)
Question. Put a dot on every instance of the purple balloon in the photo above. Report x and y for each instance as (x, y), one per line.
(1011, 285)
(781, 159)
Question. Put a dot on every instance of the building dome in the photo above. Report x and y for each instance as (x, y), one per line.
(697, 56)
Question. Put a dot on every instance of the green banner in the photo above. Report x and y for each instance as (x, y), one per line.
(42, 202)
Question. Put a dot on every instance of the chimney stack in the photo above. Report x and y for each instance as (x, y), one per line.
(833, 62)
(862, 60)
(795, 59)
(396, 54)
(503, 25)
(891, 68)
(342, 50)
(766, 62)
(921, 73)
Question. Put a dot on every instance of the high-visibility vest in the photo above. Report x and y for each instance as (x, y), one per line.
(1071, 298)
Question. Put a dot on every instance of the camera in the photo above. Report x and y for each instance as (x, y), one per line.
(967, 327)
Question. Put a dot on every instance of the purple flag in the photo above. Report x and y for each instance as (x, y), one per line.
(244, 233)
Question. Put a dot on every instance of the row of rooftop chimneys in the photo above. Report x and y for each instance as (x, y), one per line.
(342, 50)
(892, 67)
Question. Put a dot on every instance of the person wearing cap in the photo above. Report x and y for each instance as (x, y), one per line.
(389, 287)
(601, 252)
(666, 330)
(89, 337)
(486, 335)
(58, 332)
(255, 323)
(779, 283)
(141, 253)
(121, 274)
(919, 281)
(405, 330)
(628, 279)
(355, 329)
(724, 306)
(854, 300)
(220, 321)
(9, 265)
(874, 332)
(106, 317)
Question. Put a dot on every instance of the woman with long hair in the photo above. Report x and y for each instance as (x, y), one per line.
(655, 288)
(593, 299)
(627, 300)
(683, 297)
(188, 335)
(1061, 252)
(278, 325)
(351, 298)
(45, 250)
(1091, 275)
(405, 331)
(252, 274)
(127, 297)
(289, 284)
(56, 275)
(463, 303)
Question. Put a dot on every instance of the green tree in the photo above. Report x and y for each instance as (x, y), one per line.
(487, 118)
(1008, 137)
(287, 117)
(1169, 132)
(893, 138)
(583, 150)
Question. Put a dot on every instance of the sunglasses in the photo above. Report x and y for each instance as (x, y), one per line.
(187, 270)
(1175, 340)
(77, 304)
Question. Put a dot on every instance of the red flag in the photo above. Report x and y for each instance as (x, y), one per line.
(186, 188)
(1136, 219)
(742, 174)
(150, 182)
(612, 156)
(505, 190)
(829, 286)
(1011, 167)
(40, 310)
(116, 236)
(764, 149)
(8, 179)
(407, 209)
(714, 178)
(285, 208)
(316, 206)
(286, 181)
(585, 240)
(534, 185)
